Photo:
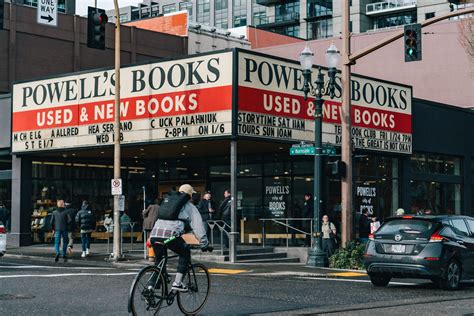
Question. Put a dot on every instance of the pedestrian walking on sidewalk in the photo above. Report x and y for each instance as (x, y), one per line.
(328, 230)
(72, 212)
(224, 210)
(60, 221)
(86, 221)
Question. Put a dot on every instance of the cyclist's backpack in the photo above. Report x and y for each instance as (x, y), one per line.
(172, 205)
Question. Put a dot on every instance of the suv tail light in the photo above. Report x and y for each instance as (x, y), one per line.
(2, 229)
(371, 236)
(436, 237)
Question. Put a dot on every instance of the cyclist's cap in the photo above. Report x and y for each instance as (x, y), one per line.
(186, 188)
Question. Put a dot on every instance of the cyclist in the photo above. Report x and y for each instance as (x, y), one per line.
(189, 219)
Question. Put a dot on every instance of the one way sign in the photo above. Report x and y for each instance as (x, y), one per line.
(47, 13)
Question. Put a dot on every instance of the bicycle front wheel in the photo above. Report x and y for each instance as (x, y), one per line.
(198, 282)
(148, 292)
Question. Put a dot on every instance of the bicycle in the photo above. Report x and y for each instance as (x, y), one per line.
(150, 288)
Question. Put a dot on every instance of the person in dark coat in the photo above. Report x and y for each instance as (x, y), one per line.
(72, 212)
(225, 212)
(85, 219)
(308, 212)
(60, 221)
(207, 209)
(364, 226)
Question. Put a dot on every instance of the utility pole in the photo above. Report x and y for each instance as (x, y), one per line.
(117, 238)
(346, 146)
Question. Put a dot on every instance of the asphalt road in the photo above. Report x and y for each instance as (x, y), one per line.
(72, 289)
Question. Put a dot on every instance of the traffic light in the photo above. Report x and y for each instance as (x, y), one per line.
(412, 42)
(2, 6)
(96, 21)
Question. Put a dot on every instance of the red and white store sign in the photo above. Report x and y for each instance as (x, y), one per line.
(192, 97)
(272, 105)
(177, 99)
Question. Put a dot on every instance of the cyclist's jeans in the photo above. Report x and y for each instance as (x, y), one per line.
(179, 246)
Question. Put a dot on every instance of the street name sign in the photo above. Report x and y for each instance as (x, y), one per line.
(328, 150)
(116, 186)
(47, 12)
(296, 151)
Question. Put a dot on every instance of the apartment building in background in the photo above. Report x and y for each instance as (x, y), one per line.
(307, 19)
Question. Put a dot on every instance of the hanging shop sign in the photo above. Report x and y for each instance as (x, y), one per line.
(170, 100)
(271, 105)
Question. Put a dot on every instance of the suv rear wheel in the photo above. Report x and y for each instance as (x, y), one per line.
(451, 278)
(379, 280)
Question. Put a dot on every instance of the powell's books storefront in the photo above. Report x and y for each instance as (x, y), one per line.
(180, 117)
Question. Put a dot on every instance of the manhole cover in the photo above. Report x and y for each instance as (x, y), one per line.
(15, 296)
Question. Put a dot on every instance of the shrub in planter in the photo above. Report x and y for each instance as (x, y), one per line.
(348, 258)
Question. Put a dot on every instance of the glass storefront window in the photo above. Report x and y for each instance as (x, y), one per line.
(436, 164)
(278, 164)
(438, 197)
(376, 185)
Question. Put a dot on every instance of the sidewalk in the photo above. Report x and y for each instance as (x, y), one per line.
(135, 260)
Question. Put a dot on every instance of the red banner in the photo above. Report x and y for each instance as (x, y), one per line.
(158, 105)
(290, 105)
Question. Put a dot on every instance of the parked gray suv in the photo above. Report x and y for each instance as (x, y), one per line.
(439, 248)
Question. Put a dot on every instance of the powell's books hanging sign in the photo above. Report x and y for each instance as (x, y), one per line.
(177, 99)
(193, 98)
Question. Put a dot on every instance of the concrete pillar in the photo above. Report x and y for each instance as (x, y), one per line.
(22, 207)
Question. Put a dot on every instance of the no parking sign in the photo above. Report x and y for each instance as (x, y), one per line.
(116, 186)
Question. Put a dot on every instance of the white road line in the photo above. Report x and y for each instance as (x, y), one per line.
(63, 275)
(53, 267)
(354, 280)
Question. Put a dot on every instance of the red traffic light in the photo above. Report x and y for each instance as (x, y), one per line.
(410, 33)
(100, 18)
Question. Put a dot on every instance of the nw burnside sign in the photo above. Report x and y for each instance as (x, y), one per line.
(193, 98)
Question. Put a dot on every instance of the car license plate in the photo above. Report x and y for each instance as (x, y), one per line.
(398, 248)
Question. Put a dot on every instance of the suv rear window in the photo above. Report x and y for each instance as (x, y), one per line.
(418, 227)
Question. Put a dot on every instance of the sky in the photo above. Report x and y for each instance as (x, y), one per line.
(81, 5)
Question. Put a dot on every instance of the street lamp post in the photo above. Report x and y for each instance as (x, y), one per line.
(316, 256)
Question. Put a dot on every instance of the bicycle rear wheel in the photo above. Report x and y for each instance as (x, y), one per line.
(198, 282)
(148, 292)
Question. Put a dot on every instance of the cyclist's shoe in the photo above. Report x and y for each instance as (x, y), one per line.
(179, 287)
